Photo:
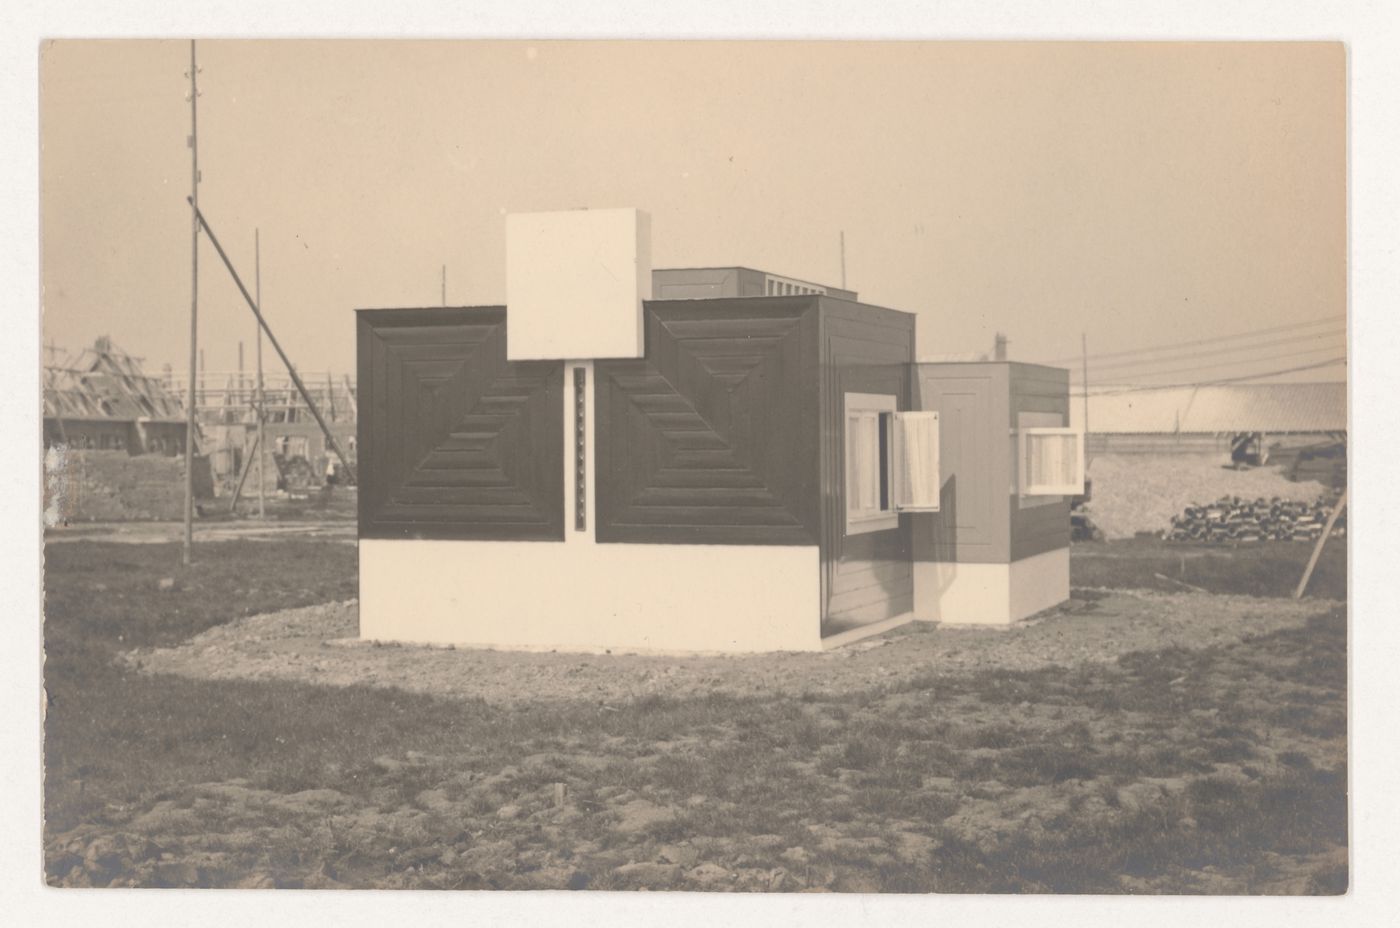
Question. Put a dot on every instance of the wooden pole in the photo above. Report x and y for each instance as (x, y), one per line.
(194, 307)
(276, 345)
(1084, 350)
(243, 476)
(1317, 548)
(262, 473)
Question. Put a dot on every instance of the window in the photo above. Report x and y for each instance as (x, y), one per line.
(1051, 461)
(916, 482)
(891, 462)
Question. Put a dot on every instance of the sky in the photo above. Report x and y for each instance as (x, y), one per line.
(1132, 194)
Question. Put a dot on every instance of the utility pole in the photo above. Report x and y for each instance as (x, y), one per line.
(194, 306)
(444, 285)
(261, 444)
(1084, 351)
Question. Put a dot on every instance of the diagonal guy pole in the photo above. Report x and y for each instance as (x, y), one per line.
(296, 379)
(1321, 540)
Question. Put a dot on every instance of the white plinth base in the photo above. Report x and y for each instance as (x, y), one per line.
(587, 597)
(990, 594)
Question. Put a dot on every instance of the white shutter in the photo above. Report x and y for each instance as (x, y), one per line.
(1052, 462)
(917, 480)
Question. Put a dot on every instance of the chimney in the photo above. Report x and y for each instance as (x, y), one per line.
(1000, 352)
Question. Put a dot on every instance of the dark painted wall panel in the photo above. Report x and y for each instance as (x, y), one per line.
(711, 438)
(1040, 528)
(454, 440)
(864, 349)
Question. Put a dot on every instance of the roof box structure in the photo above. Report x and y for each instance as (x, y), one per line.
(575, 282)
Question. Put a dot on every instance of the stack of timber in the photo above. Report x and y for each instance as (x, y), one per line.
(1232, 520)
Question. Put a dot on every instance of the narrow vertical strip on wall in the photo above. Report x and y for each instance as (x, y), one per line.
(580, 450)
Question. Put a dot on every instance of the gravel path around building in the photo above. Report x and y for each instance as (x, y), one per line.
(316, 645)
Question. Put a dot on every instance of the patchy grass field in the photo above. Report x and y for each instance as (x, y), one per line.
(1220, 769)
(1266, 569)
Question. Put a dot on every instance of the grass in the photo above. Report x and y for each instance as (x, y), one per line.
(1266, 569)
(1055, 780)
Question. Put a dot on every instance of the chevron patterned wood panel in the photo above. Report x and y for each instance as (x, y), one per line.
(711, 438)
(454, 440)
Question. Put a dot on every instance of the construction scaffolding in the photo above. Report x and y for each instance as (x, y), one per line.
(297, 457)
(230, 397)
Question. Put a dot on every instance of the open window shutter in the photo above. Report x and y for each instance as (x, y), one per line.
(1052, 462)
(915, 462)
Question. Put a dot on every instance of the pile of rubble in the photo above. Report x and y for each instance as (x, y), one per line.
(1231, 519)
(1138, 494)
(83, 485)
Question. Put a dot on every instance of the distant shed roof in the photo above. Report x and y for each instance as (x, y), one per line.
(1256, 407)
(107, 383)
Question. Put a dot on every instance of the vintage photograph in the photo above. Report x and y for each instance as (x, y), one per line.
(705, 466)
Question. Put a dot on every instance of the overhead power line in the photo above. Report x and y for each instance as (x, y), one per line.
(1212, 383)
(1255, 333)
(1234, 349)
(1234, 362)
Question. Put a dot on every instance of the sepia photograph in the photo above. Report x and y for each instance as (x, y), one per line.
(764, 466)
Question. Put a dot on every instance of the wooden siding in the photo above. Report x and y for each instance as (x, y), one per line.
(1037, 529)
(864, 349)
(454, 440)
(711, 438)
(972, 525)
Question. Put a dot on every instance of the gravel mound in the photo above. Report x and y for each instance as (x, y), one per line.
(310, 645)
(1135, 493)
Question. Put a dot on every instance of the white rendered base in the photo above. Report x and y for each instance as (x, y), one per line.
(990, 594)
(586, 597)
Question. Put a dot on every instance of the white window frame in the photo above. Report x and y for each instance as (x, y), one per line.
(907, 498)
(883, 410)
(1023, 446)
(880, 407)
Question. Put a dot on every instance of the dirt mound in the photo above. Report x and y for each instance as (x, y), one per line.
(1135, 493)
(314, 645)
(84, 485)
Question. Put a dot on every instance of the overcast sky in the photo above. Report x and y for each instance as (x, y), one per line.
(1146, 194)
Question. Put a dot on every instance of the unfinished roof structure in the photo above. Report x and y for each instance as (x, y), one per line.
(103, 399)
(105, 382)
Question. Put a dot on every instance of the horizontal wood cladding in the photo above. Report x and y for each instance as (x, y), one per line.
(454, 440)
(711, 438)
(863, 349)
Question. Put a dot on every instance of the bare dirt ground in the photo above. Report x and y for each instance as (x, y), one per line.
(155, 533)
(316, 645)
(202, 730)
